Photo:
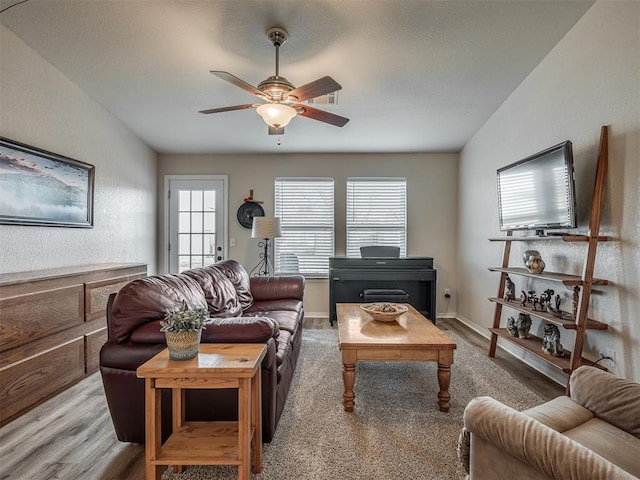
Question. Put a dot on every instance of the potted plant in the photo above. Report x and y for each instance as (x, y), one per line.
(183, 328)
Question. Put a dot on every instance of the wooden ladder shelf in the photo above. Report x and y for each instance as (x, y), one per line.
(583, 283)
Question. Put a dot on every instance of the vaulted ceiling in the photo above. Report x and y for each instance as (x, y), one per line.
(416, 76)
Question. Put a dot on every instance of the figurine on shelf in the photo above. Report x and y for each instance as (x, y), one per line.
(534, 300)
(519, 328)
(558, 303)
(523, 298)
(509, 288)
(512, 328)
(576, 298)
(551, 341)
(545, 300)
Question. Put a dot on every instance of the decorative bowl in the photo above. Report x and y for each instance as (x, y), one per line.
(384, 312)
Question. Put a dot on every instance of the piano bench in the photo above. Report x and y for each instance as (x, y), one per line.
(385, 295)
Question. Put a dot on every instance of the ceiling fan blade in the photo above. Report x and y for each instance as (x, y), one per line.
(239, 83)
(227, 109)
(322, 86)
(321, 115)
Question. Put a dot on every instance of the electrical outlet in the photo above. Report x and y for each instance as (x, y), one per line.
(609, 357)
(447, 293)
(611, 353)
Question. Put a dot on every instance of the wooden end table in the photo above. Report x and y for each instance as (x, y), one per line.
(205, 443)
(410, 338)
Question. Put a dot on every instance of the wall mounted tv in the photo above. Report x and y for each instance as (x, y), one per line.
(538, 192)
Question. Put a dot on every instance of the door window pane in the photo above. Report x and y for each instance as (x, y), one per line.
(196, 222)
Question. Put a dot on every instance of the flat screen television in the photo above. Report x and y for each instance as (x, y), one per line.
(538, 192)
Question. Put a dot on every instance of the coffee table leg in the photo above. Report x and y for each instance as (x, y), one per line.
(349, 378)
(444, 379)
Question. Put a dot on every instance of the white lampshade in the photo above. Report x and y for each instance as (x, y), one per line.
(266, 227)
(276, 115)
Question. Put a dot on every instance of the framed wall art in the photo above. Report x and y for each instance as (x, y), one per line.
(43, 188)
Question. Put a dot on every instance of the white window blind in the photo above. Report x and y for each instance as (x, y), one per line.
(305, 208)
(376, 213)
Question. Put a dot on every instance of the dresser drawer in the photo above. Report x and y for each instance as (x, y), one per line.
(26, 383)
(27, 318)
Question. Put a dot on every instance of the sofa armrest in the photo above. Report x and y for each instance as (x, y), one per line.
(612, 399)
(534, 444)
(276, 288)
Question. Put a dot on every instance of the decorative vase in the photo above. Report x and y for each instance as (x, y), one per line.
(533, 261)
(183, 345)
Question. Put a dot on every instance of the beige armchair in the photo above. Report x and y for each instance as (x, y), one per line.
(592, 435)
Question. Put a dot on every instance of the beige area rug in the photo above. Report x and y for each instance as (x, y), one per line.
(395, 431)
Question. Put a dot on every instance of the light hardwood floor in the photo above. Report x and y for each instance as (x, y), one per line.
(70, 437)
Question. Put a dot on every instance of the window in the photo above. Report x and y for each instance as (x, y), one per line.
(305, 209)
(376, 213)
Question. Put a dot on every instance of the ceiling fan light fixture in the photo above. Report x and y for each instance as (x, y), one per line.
(277, 115)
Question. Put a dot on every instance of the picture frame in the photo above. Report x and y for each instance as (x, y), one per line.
(42, 188)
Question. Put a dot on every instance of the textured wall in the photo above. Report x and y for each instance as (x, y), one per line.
(41, 107)
(591, 78)
(431, 190)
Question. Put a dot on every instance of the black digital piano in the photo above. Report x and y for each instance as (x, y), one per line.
(415, 276)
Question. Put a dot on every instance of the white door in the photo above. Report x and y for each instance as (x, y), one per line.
(196, 220)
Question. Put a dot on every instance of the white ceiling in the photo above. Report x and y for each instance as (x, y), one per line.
(417, 76)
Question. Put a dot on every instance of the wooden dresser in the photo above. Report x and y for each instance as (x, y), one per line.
(52, 326)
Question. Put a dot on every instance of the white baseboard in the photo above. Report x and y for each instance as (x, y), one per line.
(531, 360)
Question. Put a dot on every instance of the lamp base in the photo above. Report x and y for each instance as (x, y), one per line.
(264, 267)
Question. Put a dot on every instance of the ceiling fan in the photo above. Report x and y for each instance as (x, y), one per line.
(283, 99)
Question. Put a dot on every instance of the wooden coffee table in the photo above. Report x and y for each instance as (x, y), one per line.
(410, 338)
(205, 443)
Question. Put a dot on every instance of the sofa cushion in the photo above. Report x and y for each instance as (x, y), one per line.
(220, 330)
(288, 321)
(241, 330)
(561, 414)
(240, 280)
(616, 445)
(275, 288)
(615, 400)
(289, 304)
(222, 300)
(148, 299)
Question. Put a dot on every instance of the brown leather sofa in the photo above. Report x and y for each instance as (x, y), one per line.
(244, 310)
